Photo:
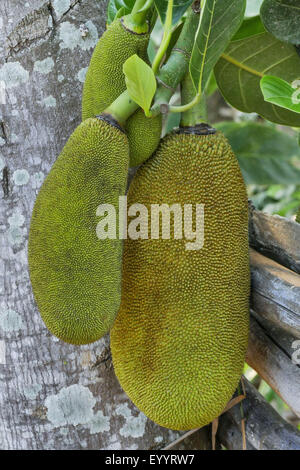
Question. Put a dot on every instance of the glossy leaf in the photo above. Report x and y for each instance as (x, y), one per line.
(151, 50)
(219, 21)
(249, 27)
(179, 8)
(173, 121)
(174, 38)
(282, 19)
(211, 86)
(265, 155)
(112, 10)
(280, 92)
(118, 8)
(140, 82)
(245, 63)
(147, 5)
(120, 13)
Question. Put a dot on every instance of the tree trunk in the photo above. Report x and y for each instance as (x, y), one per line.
(52, 395)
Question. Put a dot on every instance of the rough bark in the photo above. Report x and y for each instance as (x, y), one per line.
(274, 365)
(275, 293)
(264, 428)
(276, 237)
(52, 395)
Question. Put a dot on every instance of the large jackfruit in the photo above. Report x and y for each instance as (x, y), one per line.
(179, 340)
(105, 81)
(76, 277)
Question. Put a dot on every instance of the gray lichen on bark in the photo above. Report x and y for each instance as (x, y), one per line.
(52, 395)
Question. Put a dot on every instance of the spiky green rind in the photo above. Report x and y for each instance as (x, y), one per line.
(76, 277)
(105, 79)
(143, 135)
(179, 340)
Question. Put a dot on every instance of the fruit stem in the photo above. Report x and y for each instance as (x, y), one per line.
(197, 113)
(173, 72)
(166, 38)
(137, 16)
(122, 108)
(152, 18)
(169, 76)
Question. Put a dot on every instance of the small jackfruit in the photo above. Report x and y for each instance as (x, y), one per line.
(76, 277)
(105, 81)
(143, 136)
(179, 340)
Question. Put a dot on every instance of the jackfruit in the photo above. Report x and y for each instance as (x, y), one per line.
(105, 81)
(179, 340)
(76, 277)
(143, 136)
(298, 217)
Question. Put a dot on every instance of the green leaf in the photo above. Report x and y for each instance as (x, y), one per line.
(151, 50)
(173, 121)
(250, 27)
(147, 5)
(120, 13)
(219, 21)
(174, 38)
(118, 7)
(265, 155)
(140, 82)
(253, 7)
(112, 10)
(280, 92)
(179, 8)
(211, 86)
(243, 65)
(282, 19)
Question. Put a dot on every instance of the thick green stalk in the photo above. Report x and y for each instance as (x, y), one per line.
(122, 108)
(139, 18)
(136, 21)
(166, 38)
(197, 113)
(169, 77)
(173, 72)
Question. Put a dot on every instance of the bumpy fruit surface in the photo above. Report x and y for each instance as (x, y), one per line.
(105, 81)
(76, 277)
(143, 135)
(179, 340)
